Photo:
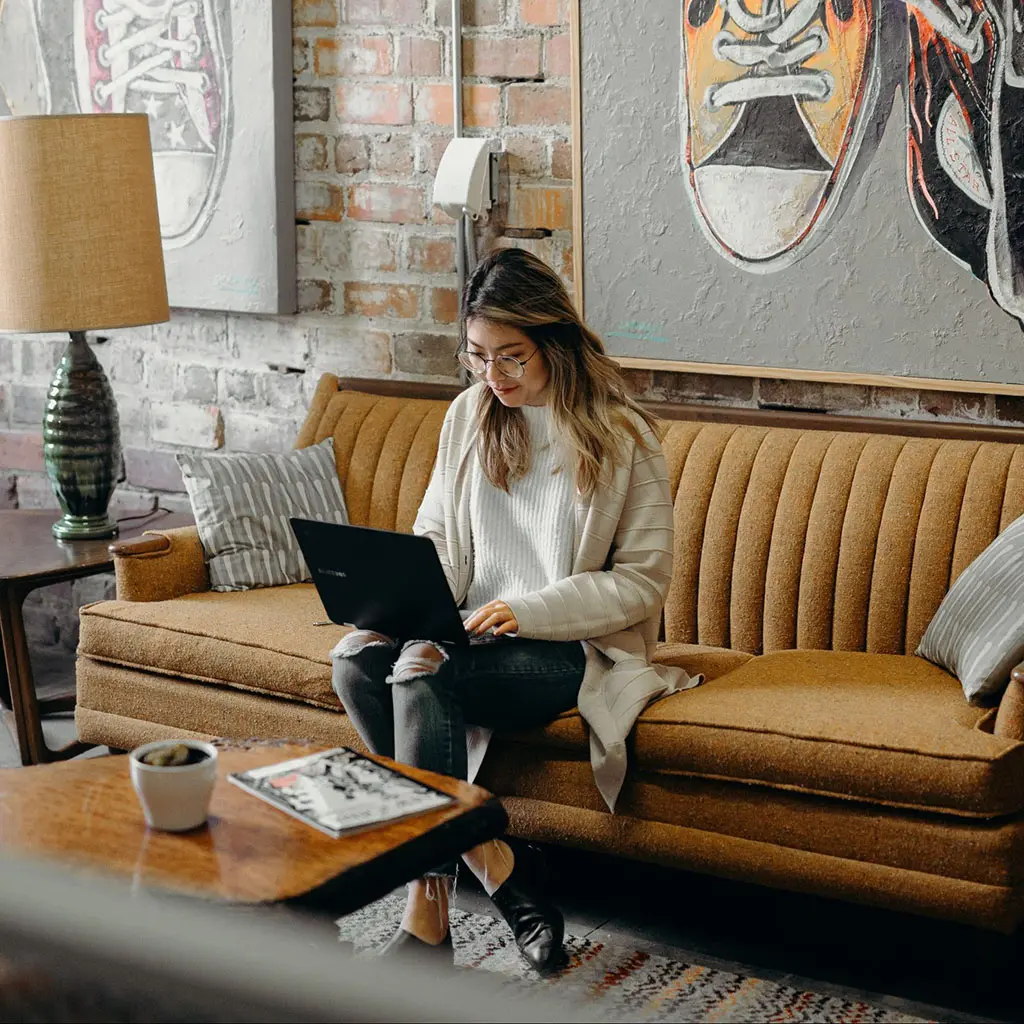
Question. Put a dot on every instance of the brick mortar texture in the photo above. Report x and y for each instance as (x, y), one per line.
(372, 108)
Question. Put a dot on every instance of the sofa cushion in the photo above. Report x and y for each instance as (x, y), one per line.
(243, 504)
(889, 729)
(978, 631)
(261, 640)
(886, 729)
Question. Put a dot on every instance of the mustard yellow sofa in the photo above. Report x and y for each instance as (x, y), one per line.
(820, 755)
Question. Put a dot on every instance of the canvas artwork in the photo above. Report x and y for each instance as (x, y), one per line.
(213, 77)
(775, 103)
(820, 186)
(965, 137)
(778, 101)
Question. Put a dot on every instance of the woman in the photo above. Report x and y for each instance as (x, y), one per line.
(550, 510)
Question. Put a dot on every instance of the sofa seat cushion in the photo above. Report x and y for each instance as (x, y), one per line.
(888, 729)
(260, 640)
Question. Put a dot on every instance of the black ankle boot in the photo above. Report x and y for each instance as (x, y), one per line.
(405, 944)
(535, 921)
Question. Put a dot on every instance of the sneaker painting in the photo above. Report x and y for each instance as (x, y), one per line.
(213, 77)
(166, 59)
(965, 137)
(1005, 250)
(775, 102)
(953, 83)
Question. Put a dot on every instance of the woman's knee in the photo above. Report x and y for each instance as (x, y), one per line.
(348, 673)
(353, 644)
(418, 680)
(419, 660)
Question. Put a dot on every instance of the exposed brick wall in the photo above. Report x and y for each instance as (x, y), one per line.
(372, 107)
(851, 399)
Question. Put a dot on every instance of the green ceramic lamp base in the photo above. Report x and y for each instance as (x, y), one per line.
(84, 528)
(81, 444)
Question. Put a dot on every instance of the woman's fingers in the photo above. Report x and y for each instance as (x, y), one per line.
(473, 622)
(495, 615)
(475, 619)
(483, 611)
(492, 620)
(508, 623)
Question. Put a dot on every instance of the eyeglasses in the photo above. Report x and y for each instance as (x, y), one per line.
(509, 366)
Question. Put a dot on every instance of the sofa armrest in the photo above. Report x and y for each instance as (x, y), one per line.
(161, 565)
(1010, 716)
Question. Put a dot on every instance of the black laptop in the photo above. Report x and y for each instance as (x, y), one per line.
(377, 579)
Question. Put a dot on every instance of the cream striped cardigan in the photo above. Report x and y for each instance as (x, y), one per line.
(613, 599)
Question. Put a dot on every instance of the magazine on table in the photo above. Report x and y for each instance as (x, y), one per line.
(340, 791)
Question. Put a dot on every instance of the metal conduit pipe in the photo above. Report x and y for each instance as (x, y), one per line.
(464, 228)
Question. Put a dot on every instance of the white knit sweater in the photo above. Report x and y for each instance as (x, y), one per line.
(522, 538)
(622, 564)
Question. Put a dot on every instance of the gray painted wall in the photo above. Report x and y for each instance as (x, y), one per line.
(875, 294)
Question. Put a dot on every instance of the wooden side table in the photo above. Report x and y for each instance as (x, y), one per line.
(30, 558)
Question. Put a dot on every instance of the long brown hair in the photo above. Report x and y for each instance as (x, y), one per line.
(589, 401)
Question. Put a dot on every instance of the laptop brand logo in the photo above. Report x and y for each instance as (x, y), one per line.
(334, 572)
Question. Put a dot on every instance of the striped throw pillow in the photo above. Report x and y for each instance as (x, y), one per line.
(978, 631)
(242, 504)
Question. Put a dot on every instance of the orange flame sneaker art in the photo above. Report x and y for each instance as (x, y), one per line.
(775, 103)
(965, 137)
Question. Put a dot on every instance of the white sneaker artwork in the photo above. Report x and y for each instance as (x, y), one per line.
(164, 58)
(776, 98)
(226, 201)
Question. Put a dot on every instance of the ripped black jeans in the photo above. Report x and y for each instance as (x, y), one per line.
(413, 702)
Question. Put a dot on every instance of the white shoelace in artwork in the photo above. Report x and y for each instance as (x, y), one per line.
(957, 22)
(774, 55)
(963, 27)
(151, 25)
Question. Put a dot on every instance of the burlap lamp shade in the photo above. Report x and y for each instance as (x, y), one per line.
(79, 232)
(80, 250)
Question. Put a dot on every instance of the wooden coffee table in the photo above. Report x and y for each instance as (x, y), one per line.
(84, 814)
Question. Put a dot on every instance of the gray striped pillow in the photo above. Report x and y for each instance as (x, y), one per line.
(242, 504)
(978, 631)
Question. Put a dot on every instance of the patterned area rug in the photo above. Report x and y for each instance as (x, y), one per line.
(615, 983)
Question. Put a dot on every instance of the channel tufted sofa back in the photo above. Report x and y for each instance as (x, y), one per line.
(384, 448)
(817, 540)
(784, 538)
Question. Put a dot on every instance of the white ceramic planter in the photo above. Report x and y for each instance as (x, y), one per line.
(174, 799)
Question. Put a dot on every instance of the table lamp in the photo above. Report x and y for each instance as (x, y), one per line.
(80, 250)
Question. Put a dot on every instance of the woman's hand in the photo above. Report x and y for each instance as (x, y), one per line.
(496, 616)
